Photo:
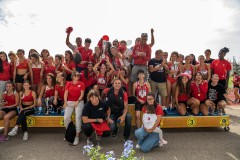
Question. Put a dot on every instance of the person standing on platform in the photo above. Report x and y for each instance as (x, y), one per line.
(208, 60)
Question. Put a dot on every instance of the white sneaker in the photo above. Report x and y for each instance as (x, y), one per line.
(76, 141)
(13, 131)
(25, 136)
(138, 146)
(162, 142)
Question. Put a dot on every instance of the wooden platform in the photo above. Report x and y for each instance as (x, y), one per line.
(166, 121)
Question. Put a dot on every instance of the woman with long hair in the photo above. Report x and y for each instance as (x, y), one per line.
(203, 68)
(69, 66)
(10, 102)
(193, 59)
(13, 57)
(49, 67)
(182, 93)
(95, 57)
(103, 76)
(22, 70)
(37, 67)
(58, 64)
(188, 67)
(46, 96)
(175, 69)
(73, 101)
(59, 92)
(199, 88)
(27, 103)
(88, 77)
(4, 71)
(44, 55)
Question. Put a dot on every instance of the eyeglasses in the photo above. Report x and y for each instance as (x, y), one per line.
(150, 99)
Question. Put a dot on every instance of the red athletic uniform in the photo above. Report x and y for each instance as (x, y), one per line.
(10, 99)
(5, 75)
(49, 92)
(71, 65)
(220, 67)
(28, 98)
(188, 71)
(36, 73)
(141, 48)
(89, 81)
(102, 81)
(60, 90)
(199, 92)
(183, 97)
(49, 69)
(86, 54)
(142, 91)
(22, 65)
(74, 90)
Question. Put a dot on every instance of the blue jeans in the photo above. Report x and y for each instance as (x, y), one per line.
(128, 123)
(146, 140)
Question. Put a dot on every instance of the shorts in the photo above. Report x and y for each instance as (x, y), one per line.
(134, 77)
(202, 102)
(138, 106)
(7, 110)
(160, 87)
(19, 78)
(171, 80)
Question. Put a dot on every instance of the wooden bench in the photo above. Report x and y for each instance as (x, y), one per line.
(166, 121)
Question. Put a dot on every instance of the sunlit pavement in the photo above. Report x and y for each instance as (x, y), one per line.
(183, 144)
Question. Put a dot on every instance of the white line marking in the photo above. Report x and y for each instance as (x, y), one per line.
(231, 155)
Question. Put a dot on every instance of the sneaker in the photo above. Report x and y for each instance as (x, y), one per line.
(25, 136)
(138, 146)
(76, 141)
(114, 134)
(3, 138)
(13, 131)
(89, 141)
(162, 142)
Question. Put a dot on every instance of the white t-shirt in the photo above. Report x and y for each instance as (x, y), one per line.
(127, 53)
(149, 120)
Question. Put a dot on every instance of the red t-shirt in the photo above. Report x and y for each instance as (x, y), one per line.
(125, 95)
(183, 97)
(60, 90)
(158, 111)
(235, 80)
(71, 65)
(199, 92)
(86, 54)
(102, 81)
(141, 48)
(49, 92)
(74, 90)
(5, 75)
(220, 67)
(88, 82)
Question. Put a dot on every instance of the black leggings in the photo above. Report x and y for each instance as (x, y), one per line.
(21, 120)
(88, 130)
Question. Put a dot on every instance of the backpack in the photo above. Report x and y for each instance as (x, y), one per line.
(70, 132)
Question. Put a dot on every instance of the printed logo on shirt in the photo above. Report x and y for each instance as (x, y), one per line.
(100, 109)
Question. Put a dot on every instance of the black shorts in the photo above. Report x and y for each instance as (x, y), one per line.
(7, 110)
(138, 106)
(19, 78)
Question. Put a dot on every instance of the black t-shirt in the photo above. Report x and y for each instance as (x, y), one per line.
(157, 76)
(93, 112)
(215, 93)
(209, 61)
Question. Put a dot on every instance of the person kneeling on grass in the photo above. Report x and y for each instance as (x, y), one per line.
(216, 95)
(95, 117)
(146, 135)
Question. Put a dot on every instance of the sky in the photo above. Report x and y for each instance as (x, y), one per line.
(185, 26)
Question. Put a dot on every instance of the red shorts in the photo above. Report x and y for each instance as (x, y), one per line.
(171, 80)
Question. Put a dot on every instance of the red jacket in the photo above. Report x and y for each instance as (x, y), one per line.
(199, 92)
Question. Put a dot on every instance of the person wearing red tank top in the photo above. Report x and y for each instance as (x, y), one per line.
(46, 96)
(22, 70)
(199, 88)
(182, 93)
(203, 68)
(49, 67)
(37, 72)
(140, 90)
(188, 67)
(175, 69)
(4, 71)
(44, 55)
(236, 85)
(73, 101)
(59, 92)
(27, 103)
(9, 110)
(103, 76)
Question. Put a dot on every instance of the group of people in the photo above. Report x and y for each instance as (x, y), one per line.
(98, 86)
